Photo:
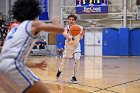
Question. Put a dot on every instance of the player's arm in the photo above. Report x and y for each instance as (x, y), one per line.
(82, 33)
(54, 27)
(38, 26)
(65, 33)
(40, 65)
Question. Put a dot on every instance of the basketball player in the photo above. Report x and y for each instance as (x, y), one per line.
(14, 24)
(72, 48)
(15, 76)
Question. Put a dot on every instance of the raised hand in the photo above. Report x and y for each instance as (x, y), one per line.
(56, 20)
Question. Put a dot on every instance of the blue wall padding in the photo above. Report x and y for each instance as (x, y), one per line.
(60, 38)
(82, 46)
(110, 42)
(135, 42)
(123, 42)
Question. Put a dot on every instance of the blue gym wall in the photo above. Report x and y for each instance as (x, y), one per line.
(121, 42)
(110, 42)
(135, 42)
(82, 46)
(60, 38)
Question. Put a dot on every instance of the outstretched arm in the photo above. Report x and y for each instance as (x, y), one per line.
(54, 27)
(66, 35)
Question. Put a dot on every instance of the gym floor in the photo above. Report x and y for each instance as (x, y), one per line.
(95, 75)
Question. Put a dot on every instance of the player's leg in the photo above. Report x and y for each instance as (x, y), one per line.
(67, 54)
(17, 78)
(6, 87)
(76, 66)
(38, 87)
(62, 66)
(57, 53)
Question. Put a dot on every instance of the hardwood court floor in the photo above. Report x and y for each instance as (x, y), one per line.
(95, 75)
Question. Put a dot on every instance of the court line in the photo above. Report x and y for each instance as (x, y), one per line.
(117, 85)
(69, 83)
(100, 89)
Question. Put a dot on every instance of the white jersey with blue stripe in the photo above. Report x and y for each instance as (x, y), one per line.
(76, 38)
(15, 77)
(72, 47)
(18, 41)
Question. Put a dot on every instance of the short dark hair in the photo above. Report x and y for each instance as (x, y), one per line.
(26, 10)
(72, 15)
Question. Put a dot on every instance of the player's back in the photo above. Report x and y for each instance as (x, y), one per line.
(17, 41)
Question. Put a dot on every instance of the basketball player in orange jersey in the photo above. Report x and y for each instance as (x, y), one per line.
(72, 48)
(15, 76)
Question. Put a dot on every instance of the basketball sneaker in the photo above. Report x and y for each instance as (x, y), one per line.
(58, 74)
(74, 80)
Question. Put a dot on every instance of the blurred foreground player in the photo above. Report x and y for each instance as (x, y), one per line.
(15, 76)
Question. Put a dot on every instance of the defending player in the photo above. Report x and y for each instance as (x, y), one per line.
(15, 76)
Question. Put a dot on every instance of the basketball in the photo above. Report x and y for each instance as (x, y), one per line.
(75, 30)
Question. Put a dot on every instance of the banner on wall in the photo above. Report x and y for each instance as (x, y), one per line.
(91, 6)
(45, 10)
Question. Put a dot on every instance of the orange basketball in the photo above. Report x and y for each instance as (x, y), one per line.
(75, 30)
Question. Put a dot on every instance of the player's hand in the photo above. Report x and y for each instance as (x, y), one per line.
(82, 33)
(42, 65)
(69, 37)
(56, 20)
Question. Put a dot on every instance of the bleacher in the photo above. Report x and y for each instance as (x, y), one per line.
(41, 52)
(40, 48)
